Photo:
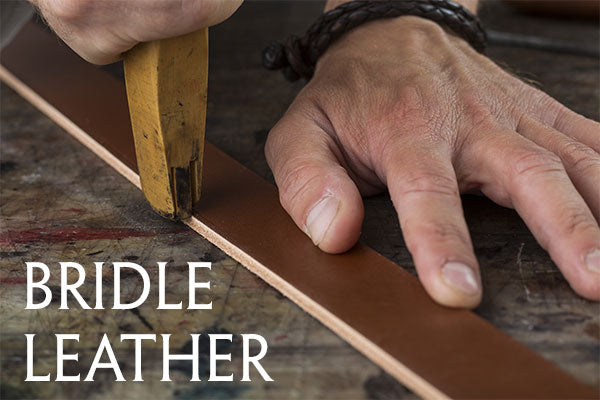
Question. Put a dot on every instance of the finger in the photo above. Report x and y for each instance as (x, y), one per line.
(542, 193)
(314, 188)
(581, 162)
(169, 18)
(577, 126)
(424, 190)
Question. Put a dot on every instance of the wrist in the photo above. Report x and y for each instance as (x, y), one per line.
(297, 56)
(406, 35)
(423, 26)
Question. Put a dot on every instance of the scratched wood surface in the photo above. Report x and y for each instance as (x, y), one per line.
(59, 202)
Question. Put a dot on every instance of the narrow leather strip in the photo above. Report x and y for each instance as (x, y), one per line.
(368, 300)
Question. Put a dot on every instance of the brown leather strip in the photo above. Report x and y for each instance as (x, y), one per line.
(369, 301)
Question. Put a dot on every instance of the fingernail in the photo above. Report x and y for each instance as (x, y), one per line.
(460, 277)
(320, 218)
(592, 260)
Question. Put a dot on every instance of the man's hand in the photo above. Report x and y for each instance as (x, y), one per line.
(403, 104)
(100, 31)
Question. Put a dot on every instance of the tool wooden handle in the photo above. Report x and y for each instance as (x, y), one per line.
(166, 89)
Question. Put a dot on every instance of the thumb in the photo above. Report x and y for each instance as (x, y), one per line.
(314, 188)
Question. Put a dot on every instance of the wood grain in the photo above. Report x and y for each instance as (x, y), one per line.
(369, 301)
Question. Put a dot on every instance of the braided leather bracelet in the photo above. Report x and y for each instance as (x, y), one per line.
(298, 56)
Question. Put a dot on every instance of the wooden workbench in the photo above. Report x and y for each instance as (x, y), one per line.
(61, 203)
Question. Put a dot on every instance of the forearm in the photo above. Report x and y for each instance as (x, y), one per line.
(470, 4)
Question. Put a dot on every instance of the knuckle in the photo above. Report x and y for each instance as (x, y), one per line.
(408, 104)
(580, 157)
(576, 220)
(536, 162)
(204, 12)
(438, 232)
(474, 108)
(295, 178)
(539, 103)
(406, 116)
(408, 110)
(69, 10)
(429, 183)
